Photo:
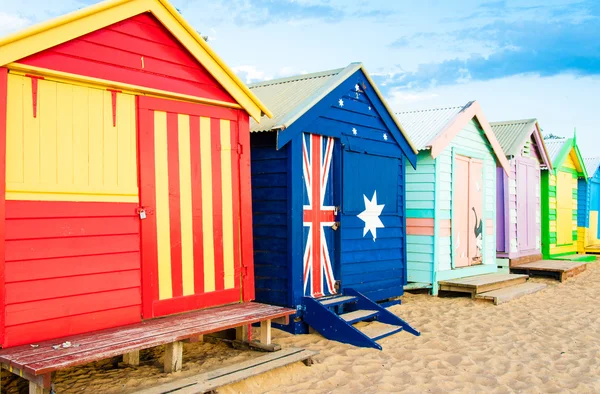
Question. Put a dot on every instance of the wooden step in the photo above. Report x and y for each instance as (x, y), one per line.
(377, 330)
(559, 269)
(208, 381)
(359, 315)
(482, 283)
(506, 294)
(339, 300)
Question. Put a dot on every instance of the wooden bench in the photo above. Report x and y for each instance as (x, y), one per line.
(37, 362)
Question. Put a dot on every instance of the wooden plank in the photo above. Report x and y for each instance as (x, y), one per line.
(482, 283)
(231, 374)
(506, 294)
(377, 330)
(20, 356)
(114, 342)
(551, 265)
(337, 300)
(126, 345)
(359, 315)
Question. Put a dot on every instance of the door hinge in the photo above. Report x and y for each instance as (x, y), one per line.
(240, 148)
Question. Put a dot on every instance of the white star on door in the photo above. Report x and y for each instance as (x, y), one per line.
(371, 215)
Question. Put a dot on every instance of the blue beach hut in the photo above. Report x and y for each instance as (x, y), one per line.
(328, 192)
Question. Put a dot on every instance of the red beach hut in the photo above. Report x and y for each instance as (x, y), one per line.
(124, 147)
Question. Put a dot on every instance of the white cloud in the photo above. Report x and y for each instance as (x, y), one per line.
(400, 98)
(251, 74)
(9, 23)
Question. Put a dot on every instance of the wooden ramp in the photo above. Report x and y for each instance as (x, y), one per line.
(212, 380)
(482, 283)
(575, 257)
(558, 269)
(506, 294)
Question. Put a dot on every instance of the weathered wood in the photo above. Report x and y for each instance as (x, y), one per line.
(271, 347)
(482, 283)
(265, 332)
(173, 357)
(132, 358)
(525, 259)
(37, 389)
(559, 269)
(211, 380)
(501, 296)
(284, 321)
(104, 344)
(199, 338)
(241, 333)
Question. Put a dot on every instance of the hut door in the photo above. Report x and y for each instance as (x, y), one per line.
(467, 217)
(320, 214)
(526, 205)
(564, 211)
(189, 190)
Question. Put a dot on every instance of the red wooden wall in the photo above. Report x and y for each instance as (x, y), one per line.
(137, 51)
(70, 268)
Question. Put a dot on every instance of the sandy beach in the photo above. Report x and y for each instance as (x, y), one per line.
(548, 342)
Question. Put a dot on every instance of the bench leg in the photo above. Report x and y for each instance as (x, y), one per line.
(241, 333)
(265, 332)
(132, 358)
(173, 357)
(35, 388)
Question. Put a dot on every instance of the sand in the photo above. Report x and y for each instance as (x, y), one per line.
(548, 342)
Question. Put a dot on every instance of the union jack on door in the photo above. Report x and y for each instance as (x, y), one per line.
(319, 215)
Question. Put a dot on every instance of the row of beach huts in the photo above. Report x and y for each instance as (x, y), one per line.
(142, 179)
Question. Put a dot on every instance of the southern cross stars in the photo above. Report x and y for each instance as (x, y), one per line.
(371, 215)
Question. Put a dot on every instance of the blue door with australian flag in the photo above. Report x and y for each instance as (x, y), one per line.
(328, 191)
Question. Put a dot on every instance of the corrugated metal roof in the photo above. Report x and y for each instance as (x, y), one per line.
(554, 146)
(423, 126)
(287, 97)
(512, 134)
(591, 165)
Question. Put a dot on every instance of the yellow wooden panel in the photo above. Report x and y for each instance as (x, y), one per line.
(564, 211)
(47, 110)
(82, 128)
(552, 180)
(64, 134)
(14, 135)
(125, 114)
(185, 204)
(207, 205)
(227, 197)
(163, 233)
(96, 131)
(70, 151)
(110, 143)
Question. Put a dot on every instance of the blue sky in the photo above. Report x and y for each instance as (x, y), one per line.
(519, 59)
